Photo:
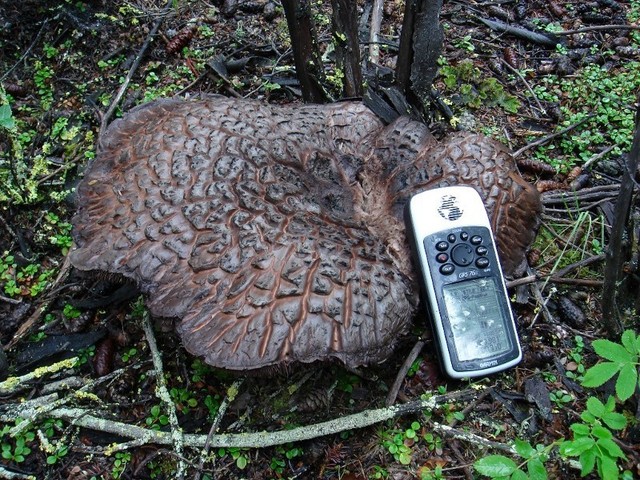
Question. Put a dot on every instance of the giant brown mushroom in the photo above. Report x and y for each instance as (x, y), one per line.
(274, 234)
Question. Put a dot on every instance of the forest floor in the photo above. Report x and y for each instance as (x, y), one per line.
(573, 69)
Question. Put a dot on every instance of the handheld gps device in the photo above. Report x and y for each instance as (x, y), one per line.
(462, 282)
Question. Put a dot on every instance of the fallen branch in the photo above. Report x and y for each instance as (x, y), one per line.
(522, 33)
(595, 28)
(15, 384)
(85, 418)
(163, 394)
(9, 475)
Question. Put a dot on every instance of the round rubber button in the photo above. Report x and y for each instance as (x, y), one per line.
(464, 236)
(447, 269)
(476, 240)
(482, 262)
(442, 257)
(481, 250)
(451, 237)
(442, 246)
(462, 254)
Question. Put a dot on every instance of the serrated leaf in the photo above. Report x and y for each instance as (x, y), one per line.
(595, 407)
(6, 117)
(627, 382)
(495, 466)
(580, 429)
(630, 342)
(588, 461)
(611, 447)
(612, 351)
(576, 447)
(599, 374)
(601, 432)
(524, 449)
(607, 467)
(610, 406)
(587, 417)
(536, 470)
(518, 475)
(614, 420)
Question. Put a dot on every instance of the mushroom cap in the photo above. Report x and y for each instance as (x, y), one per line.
(274, 234)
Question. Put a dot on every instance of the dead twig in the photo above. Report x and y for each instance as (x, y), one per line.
(134, 67)
(598, 156)
(9, 475)
(12, 301)
(47, 298)
(402, 373)
(526, 84)
(232, 392)
(162, 393)
(596, 28)
(548, 138)
(26, 52)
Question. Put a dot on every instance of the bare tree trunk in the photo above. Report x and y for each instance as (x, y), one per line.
(420, 46)
(345, 35)
(309, 68)
(610, 315)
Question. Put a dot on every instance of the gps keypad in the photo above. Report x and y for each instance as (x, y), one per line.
(461, 250)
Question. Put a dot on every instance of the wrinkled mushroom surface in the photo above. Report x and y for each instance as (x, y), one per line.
(274, 234)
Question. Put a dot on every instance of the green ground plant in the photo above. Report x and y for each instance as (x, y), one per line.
(468, 86)
(239, 456)
(16, 449)
(594, 442)
(603, 99)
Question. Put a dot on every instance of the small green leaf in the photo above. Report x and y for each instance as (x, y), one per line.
(524, 449)
(580, 429)
(614, 420)
(627, 382)
(6, 117)
(588, 461)
(612, 351)
(611, 447)
(600, 373)
(495, 466)
(573, 448)
(518, 475)
(610, 406)
(536, 470)
(629, 341)
(601, 432)
(241, 462)
(595, 407)
(607, 467)
(404, 458)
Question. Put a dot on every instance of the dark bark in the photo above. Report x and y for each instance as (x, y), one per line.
(345, 36)
(306, 55)
(610, 315)
(420, 46)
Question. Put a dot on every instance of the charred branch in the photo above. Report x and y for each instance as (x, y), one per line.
(306, 55)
